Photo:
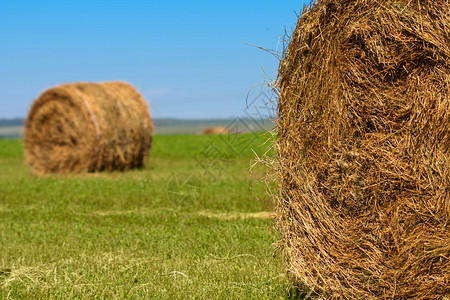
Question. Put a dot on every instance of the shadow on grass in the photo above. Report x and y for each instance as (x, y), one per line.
(302, 293)
(5, 272)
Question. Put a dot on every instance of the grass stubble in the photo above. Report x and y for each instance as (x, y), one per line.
(122, 235)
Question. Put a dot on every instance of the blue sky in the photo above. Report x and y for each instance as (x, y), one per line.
(187, 58)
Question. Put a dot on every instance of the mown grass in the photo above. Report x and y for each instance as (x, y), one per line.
(193, 224)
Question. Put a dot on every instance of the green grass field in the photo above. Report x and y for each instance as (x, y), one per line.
(193, 224)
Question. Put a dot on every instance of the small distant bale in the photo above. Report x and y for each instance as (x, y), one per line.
(363, 149)
(216, 130)
(88, 127)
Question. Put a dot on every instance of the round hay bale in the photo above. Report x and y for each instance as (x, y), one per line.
(363, 145)
(216, 130)
(88, 126)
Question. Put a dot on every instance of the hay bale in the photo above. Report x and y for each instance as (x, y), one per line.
(88, 126)
(216, 130)
(363, 145)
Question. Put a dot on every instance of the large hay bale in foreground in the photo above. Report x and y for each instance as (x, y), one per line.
(364, 149)
(88, 126)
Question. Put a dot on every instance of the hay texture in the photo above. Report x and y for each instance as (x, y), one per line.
(364, 149)
(216, 130)
(88, 126)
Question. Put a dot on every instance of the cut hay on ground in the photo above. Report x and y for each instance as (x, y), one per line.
(216, 130)
(364, 149)
(88, 126)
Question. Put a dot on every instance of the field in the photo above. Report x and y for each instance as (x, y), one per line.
(14, 128)
(11, 131)
(194, 223)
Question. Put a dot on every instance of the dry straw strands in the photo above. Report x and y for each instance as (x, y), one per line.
(364, 149)
(88, 126)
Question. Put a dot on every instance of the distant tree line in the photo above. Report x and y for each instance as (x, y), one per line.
(12, 122)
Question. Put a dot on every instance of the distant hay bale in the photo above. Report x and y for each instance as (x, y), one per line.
(216, 130)
(363, 147)
(88, 126)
